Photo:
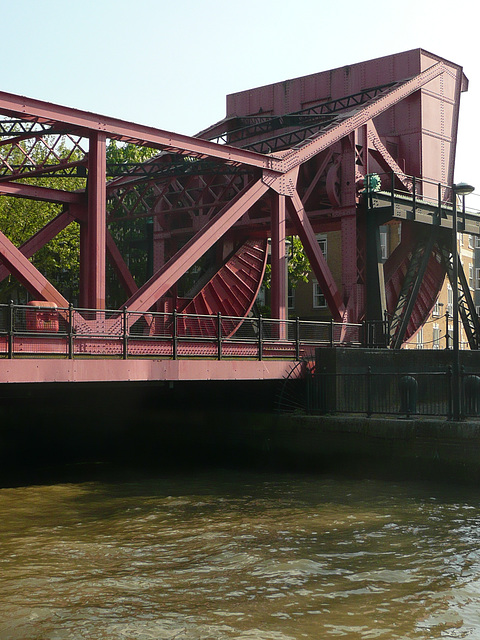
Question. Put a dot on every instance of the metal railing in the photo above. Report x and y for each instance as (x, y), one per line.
(406, 394)
(34, 331)
(416, 190)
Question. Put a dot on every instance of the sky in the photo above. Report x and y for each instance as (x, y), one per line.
(170, 64)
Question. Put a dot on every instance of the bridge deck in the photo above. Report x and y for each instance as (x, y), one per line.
(405, 207)
(47, 344)
(50, 370)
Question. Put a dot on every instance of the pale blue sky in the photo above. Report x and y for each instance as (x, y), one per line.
(170, 63)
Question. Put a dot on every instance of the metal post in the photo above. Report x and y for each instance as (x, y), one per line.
(11, 329)
(456, 345)
(449, 391)
(330, 332)
(70, 331)
(414, 188)
(279, 266)
(369, 391)
(439, 194)
(297, 338)
(447, 335)
(260, 337)
(174, 335)
(219, 336)
(386, 328)
(461, 386)
(125, 334)
(461, 189)
(96, 221)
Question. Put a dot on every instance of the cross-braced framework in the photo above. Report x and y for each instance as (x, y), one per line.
(289, 159)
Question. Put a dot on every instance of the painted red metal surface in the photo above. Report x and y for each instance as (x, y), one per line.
(101, 370)
(289, 158)
(234, 288)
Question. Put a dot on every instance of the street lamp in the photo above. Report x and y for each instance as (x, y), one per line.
(460, 189)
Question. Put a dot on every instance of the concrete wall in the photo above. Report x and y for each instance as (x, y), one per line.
(402, 449)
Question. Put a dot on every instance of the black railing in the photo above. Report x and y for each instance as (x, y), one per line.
(42, 331)
(401, 393)
(419, 192)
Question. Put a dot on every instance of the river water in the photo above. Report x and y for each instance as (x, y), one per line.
(228, 554)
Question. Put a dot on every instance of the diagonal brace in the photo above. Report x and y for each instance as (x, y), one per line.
(27, 274)
(171, 272)
(40, 239)
(318, 263)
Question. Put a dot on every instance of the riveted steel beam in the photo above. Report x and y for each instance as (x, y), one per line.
(42, 194)
(319, 265)
(46, 112)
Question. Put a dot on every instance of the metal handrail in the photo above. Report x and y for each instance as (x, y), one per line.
(385, 183)
(79, 332)
(408, 393)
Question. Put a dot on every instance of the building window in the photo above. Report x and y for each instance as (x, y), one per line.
(319, 301)
(420, 339)
(477, 242)
(383, 244)
(450, 300)
(322, 241)
(470, 242)
(436, 336)
(477, 278)
(437, 309)
(470, 276)
(291, 297)
(261, 296)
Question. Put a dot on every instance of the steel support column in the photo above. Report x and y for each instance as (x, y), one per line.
(96, 221)
(376, 297)
(349, 257)
(279, 262)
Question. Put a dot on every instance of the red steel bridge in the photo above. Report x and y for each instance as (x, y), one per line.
(345, 150)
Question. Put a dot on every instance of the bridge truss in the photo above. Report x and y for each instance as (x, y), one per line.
(289, 159)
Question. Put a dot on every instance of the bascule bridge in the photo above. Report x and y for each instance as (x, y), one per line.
(346, 151)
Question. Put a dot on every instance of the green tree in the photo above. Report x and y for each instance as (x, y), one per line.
(298, 265)
(120, 156)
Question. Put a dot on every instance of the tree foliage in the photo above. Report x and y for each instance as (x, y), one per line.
(119, 153)
(298, 265)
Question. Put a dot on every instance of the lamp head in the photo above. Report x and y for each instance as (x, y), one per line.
(463, 189)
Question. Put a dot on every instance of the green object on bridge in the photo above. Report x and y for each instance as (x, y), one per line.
(374, 182)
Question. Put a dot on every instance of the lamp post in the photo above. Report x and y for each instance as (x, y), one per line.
(460, 189)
